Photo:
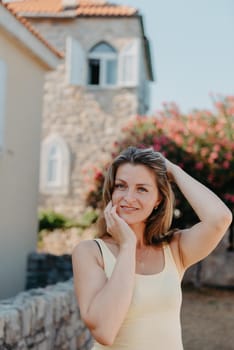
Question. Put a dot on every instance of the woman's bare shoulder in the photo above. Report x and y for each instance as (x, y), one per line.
(85, 247)
(176, 237)
(87, 250)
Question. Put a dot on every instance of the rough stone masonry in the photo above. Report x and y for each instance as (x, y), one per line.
(43, 319)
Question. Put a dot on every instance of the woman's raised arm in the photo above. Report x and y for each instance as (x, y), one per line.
(215, 217)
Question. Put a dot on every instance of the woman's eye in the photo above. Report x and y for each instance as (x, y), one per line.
(119, 186)
(142, 189)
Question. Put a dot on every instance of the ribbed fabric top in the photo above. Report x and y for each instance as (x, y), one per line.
(153, 319)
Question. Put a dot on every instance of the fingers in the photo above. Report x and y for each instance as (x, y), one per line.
(110, 210)
(115, 216)
(116, 226)
(108, 207)
(169, 168)
(113, 211)
(112, 218)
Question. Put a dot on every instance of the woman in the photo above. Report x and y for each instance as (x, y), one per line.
(128, 281)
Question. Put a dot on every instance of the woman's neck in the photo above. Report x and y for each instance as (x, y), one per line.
(139, 230)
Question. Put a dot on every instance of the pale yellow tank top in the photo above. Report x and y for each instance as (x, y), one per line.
(153, 319)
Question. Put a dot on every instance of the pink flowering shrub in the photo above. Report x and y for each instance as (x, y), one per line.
(201, 142)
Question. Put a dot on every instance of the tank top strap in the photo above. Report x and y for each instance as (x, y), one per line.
(108, 257)
(169, 259)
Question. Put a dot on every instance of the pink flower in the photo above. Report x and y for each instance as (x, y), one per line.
(228, 156)
(178, 139)
(226, 164)
(216, 148)
(214, 155)
(211, 178)
(157, 147)
(229, 197)
(199, 165)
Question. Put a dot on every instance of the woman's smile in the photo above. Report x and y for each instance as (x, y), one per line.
(128, 209)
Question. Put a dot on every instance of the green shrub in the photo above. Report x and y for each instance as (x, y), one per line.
(88, 218)
(50, 220)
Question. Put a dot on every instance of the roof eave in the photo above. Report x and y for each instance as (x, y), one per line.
(19, 32)
(68, 15)
(148, 55)
(72, 14)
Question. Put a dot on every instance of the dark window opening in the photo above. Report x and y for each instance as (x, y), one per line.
(94, 72)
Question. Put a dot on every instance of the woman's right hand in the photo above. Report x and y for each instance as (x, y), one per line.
(117, 227)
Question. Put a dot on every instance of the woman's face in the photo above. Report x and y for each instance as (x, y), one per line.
(135, 193)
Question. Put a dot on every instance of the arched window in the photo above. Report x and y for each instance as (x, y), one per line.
(102, 65)
(55, 165)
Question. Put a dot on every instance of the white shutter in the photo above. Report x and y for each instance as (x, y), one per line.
(75, 62)
(129, 64)
(2, 101)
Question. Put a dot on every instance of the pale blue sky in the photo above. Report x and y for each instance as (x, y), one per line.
(192, 45)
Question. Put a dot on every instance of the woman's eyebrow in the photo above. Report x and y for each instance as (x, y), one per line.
(140, 184)
(118, 179)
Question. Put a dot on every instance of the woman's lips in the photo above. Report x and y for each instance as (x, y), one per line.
(128, 209)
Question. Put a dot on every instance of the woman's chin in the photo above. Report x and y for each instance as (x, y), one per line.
(124, 217)
(128, 220)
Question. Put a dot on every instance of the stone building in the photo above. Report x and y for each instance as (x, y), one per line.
(102, 82)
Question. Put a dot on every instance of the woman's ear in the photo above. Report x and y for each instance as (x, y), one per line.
(157, 203)
(159, 199)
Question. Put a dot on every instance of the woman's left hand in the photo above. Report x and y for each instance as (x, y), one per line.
(169, 166)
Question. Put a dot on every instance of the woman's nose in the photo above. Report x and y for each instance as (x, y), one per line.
(129, 195)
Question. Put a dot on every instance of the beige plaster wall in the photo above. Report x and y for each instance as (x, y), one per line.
(19, 163)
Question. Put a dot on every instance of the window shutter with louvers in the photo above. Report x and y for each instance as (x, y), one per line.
(75, 62)
(129, 64)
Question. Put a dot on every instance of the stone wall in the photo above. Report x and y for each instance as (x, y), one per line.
(43, 319)
(215, 270)
(47, 269)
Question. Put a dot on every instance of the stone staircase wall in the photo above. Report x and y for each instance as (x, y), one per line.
(43, 319)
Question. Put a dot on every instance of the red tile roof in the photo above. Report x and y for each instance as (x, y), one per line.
(30, 28)
(84, 8)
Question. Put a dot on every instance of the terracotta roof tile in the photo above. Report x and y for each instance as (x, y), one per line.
(105, 11)
(84, 8)
(33, 30)
(36, 6)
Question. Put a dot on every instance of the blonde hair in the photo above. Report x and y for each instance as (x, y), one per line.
(159, 221)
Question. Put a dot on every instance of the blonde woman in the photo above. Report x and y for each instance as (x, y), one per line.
(128, 281)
